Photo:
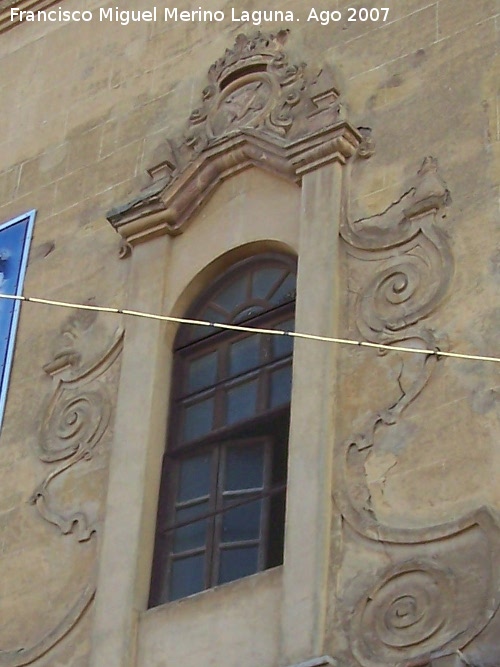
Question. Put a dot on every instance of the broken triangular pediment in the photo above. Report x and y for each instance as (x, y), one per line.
(258, 109)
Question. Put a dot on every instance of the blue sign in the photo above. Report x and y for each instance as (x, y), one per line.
(15, 237)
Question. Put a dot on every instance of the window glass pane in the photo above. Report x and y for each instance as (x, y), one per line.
(244, 354)
(194, 534)
(194, 477)
(244, 468)
(237, 563)
(198, 419)
(12, 242)
(186, 576)
(6, 317)
(15, 237)
(251, 311)
(263, 281)
(286, 291)
(197, 331)
(202, 372)
(233, 295)
(281, 386)
(243, 522)
(241, 402)
(218, 523)
(283, 345)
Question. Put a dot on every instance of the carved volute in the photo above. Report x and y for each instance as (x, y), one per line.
(424, 605)
(76, 421)
(404, 598)
(258, 109)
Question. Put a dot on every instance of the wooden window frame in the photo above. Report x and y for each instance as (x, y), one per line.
(267, 426)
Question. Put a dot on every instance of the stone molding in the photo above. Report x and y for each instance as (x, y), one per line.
(323, 661)
(257, 110)
(27, 655)
(76, 418)
(425, 605)
(25, 5)
(78, 412)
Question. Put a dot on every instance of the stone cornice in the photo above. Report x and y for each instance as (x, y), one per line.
(258, 110)
(25, 5)
(168, 208)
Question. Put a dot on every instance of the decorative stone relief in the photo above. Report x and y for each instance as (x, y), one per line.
(258, 109)
(77, 414)
(76, 418)
(407, 600)
(255, 86)
(27, 655)
(425, 604)
(413, 268)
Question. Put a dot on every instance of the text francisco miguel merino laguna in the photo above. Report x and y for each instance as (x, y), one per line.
(174, 14)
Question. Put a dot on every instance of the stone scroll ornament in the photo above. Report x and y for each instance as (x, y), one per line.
(77, 415)
(256, 109)
(76, 418)
(425, 605)
(260, 109)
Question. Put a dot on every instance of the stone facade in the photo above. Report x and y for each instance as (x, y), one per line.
(369, 149)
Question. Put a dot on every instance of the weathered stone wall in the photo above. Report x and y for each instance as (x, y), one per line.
(86, 109)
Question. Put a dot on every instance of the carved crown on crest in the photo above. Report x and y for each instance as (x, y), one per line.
(255, 86)
(247, 51)
(257, 109)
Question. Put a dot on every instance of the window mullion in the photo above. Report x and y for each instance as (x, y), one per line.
(266, 501)
(221, 415)
(215, 522)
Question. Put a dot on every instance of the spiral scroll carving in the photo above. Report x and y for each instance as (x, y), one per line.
(415, 611)
(404, 619)
(408, 612)
(76, 421)
(410, 268)
(75, 425)
(258, 109)
(405, 289)
(77, 415)
(397, 295)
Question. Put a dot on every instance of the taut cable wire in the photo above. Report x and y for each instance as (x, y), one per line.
(238, 327)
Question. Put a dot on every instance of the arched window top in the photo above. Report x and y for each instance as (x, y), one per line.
(250, 288)
(221, 511)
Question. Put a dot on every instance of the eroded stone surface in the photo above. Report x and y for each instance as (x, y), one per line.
(412, 569)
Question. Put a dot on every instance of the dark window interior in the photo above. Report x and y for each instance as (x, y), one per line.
(221, 508)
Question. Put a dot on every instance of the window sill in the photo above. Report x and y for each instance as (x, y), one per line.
(218, 622)
(239, 587)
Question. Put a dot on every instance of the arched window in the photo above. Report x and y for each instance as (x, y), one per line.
(221, 509)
